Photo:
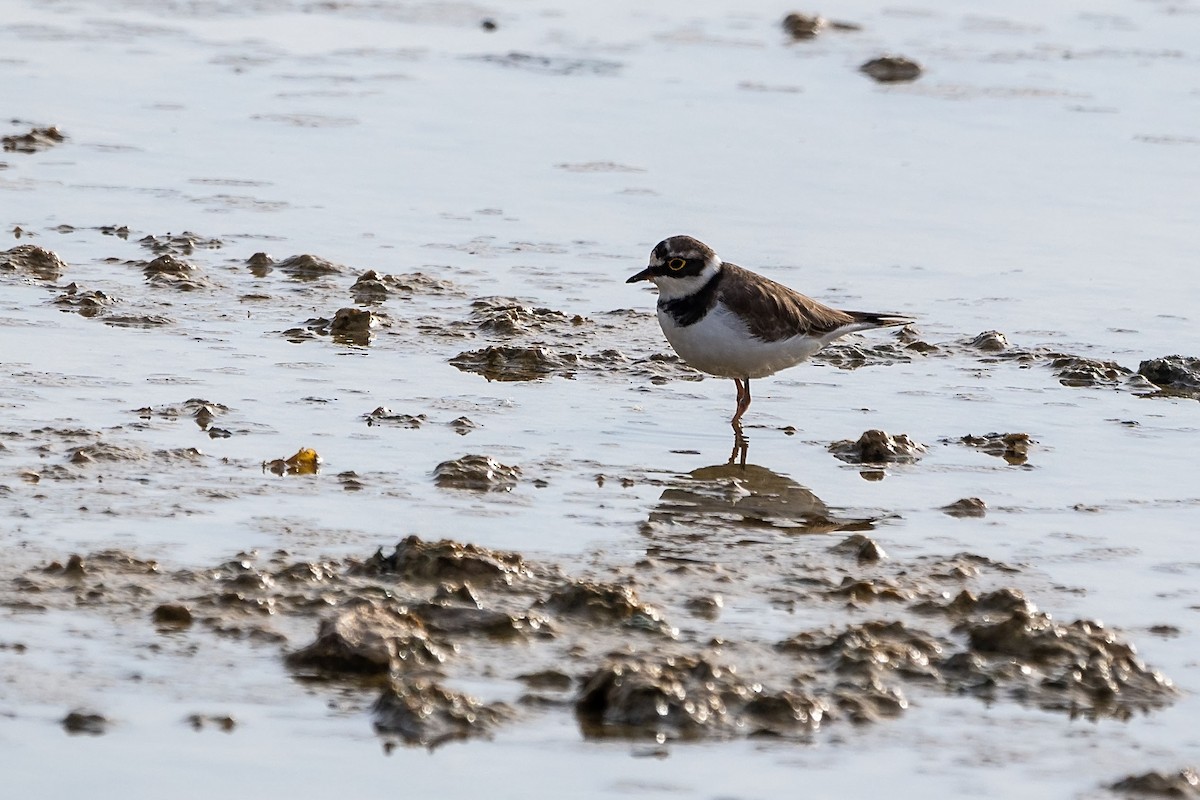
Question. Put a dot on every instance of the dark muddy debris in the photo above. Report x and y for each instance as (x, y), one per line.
(169, 272)
(863, 549)
(172, 615)
(685, 697)
(222, 722)
(34, 140)
(1177, 376)
(478, 473)
(508, 316)
(42, 264)
(462, 425)
(368, 638)
(302, 267)
(83, 302)
(352, 326)
(1012, 447)
(856, 356)
(878, 447)
(385, 416)
(552, 65)
(180, 244)
(1081, 372)
(892, 69)
(606, 603)
(423, 712)
(304, 461)
(1184, 783)
(501, 363)
(802, 26)
(85, 722)
(966, 507)
(447, 561)
(990, 342)
(203, 412)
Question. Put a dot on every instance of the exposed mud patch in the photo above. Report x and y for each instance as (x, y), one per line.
(29, 259)
(34, 140)
(1012, 447)
(1177, 376)
(1184, 783)
(478, 473)
(878, 447)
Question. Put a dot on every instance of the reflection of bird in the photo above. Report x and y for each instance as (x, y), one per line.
(733, 323)
(749, 496)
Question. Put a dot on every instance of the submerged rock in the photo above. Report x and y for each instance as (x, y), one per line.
(1176, 375)
(423, 712)
(864, 549)
(476, 472)
(878, 447)
(45, 265)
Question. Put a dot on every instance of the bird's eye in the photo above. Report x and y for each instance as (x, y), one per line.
(676, 264)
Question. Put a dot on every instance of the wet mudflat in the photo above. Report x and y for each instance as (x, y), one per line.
(332, 435)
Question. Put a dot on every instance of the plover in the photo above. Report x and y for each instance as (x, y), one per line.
(734, 323)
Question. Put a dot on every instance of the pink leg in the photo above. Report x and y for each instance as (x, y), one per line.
(743, 398)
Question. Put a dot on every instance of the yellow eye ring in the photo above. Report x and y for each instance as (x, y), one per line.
(676, 264)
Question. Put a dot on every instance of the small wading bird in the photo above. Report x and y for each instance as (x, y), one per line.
(733, 323)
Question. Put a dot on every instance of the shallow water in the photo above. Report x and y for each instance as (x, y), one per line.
(1038, 179)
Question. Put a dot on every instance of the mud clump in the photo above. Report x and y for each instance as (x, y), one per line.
(169, 272)
(366, 638)
(685, 697)
(878, 447)
(385, 416)
(422, 712)
(966, 507)
(892, 69)
(85, 303)
(1184, 783)
(1012, 447)
(1082, 372)
(508, 316)
(352, 326)
(1174, 375)
(172, 615)
(302, 267)
(85, 722)
(863, 654)
(477, 473)
(371, 287)
(507, 363)
(802, 26)
(181, 244)
(34, 140)
(863, 549)
(856, 356)
(1079, 667)
(446, 560)
(45, 265)
(606, 603)
(990, 342)
(204, 412)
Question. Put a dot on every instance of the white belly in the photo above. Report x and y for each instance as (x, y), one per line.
(720, 344)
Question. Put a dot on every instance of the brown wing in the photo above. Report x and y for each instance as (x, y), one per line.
(772, 311)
